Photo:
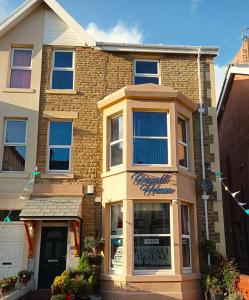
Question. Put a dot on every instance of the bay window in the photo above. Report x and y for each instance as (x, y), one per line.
(152, 239)
(182, 143)
(21, 62)
(116, 142)
(116, 240)
(150, 138)
(63, 70)
(146, 71)
(186, 250)
(60, 146)
(15, 140)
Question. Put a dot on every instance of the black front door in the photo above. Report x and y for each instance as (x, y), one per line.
(52, 255)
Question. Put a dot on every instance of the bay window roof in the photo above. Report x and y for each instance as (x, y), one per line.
(147, 91)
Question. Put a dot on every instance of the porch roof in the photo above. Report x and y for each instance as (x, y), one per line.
(52, 208)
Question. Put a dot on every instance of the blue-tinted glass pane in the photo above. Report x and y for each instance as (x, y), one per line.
(22, 58)
(14, 158)
(142, 80)
(63, 59)
(150, 151)
(60, 133)
(15, 131)
(62, 80)
(59, 159)
(146, 67)
(150, 124)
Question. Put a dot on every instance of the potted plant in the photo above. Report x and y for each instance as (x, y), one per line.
(8, 284)
(24, 276)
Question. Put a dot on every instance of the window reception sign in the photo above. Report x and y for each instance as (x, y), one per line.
(152, 185)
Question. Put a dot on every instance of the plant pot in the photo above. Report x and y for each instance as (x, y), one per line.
(218, 297)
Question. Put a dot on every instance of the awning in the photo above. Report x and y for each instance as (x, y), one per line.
(52, 209)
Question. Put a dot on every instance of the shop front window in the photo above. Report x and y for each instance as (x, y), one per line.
(150, 138)
(152, 239)
(116, 243)
(186, 252)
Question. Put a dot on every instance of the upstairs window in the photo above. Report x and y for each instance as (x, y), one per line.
(63, 70)
(182, 143)
(60, 146)
(146, 71)
(21, 61)
(116, 144)
(150, 138)
(15, 139)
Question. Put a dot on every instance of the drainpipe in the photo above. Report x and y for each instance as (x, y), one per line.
(205, 197)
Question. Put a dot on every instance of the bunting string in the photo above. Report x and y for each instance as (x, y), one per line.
(21, 196)
(233, 195)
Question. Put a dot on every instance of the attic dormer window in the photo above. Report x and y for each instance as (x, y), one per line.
(63, 70)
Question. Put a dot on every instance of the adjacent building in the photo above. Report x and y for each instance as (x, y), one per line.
(125, 138)
(233, 138)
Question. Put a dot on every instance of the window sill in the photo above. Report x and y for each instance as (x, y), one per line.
(13, 174)
(57, 176)
(61, 92)
(16, 90)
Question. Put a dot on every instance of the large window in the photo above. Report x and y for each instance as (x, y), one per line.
(116, 253)
(116, 143)
(63, 70)
(146, 71)
(59, 148)
(15, 139)
(182, 143)
(152, 240)
(186, 252)
(20, 76)
(150, 138)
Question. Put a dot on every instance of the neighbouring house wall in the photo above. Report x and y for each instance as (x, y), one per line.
(234, 149)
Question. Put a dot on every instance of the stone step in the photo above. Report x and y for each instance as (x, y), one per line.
(38, 295)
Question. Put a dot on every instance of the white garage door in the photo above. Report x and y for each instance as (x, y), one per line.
(11, 249)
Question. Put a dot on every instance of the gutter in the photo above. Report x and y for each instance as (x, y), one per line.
(156, 48)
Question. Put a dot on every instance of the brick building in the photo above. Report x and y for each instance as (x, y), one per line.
(123, 151)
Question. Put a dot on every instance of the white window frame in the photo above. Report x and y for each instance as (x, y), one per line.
(115, 142)
(59, 147)
(187, 236)
(14, 144)
(19, 67)
(115, 236)
(184, 144)
(151, 137)
(147, 74)
(155, 271)
(63, 69)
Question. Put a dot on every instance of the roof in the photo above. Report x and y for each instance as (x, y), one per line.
(148, 91)
(47, 208)
(232, 70)
(27, 7)
(158, 48)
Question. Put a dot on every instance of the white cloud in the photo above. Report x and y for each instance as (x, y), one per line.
(219, 78)
(120, 33)
(194, 5)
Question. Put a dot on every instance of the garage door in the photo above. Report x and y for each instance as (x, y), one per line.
(11, 249)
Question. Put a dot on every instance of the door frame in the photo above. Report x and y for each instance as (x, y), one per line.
(38, 244)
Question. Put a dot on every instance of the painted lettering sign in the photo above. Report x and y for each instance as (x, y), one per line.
(152, 256)
(152, 185)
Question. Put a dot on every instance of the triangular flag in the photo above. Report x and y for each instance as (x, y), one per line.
(36, 173)
(217, 174)
(241, 204)
(226, 188)
(22, 198)
(234, 194)
(31, 180)
(7, 219)
(27, 190)
(247, 211)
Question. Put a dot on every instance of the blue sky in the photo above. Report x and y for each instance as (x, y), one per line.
(180, 22)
